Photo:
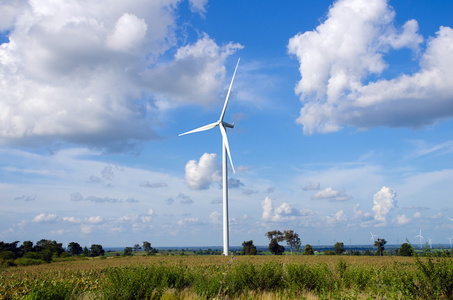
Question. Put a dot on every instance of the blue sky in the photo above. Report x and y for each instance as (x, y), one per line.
(342, 115)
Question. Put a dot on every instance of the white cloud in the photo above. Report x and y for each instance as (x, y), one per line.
(183, 199)
(214, 217)
(94, 220)
(331, 195)
(402, 219)
(189, 222)
(384, 201)
(128, 34)
(199, 65)
(80, 73)
(42, 218)
(201, 175)
(417, 215)
(312, 186)
(285, 212)
(359, 214)
(349, 47)
(268, 208)
(71, 219)
(153, 185)
(198, 6)
(338, 217)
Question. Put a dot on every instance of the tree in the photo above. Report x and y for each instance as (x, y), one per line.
(379, 243)
(128, 251)
(275, 237)
(148, 249)
(275, 234)
(406, 250)
(339, 248)
(85, 252)
(137, 247)
(52, 246)
(248, 248)
(275, 248)
(26, 247)
(292, 240)
(96, 250)
(308, 250)
(75, 249)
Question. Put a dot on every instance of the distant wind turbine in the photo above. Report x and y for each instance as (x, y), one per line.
(421, 237)
(450, 238)
(430, 243)
(372, 237)
(225, 150)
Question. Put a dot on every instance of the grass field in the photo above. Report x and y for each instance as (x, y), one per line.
(241, 277)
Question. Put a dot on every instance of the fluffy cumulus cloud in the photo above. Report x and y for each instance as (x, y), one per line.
(338, 59)
(284, 213)
(402, 219)
(42, 218)
(331, 195)
(338, 217)
(215, 218)
(384, 202)
(80, 73)
(200, 175)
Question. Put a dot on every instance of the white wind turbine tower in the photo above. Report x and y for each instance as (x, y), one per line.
(225, 150)
(430, 243)
(450, 238)
(421, 237)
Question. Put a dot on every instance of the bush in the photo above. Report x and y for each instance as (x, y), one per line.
(23, 261)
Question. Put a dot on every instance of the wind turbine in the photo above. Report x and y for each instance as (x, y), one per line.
(372, 237)
(421, 237)
(430, 244)
(225, 150)
(450, 240)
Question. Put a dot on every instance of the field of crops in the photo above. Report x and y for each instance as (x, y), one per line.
(241, 277)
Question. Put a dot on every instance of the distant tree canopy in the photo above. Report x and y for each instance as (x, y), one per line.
(248, 248)
(406, 250)
(379, 243)
(43, 250)
(338, 248)
(96, 250)
(128, 251)
(292, 240)
(308, 250)
(75, 249)
(275, 236)
(275, 248)
(148, 249)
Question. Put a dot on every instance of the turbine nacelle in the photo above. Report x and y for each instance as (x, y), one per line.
(228, 125)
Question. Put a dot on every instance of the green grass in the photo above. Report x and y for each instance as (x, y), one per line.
(208, 277)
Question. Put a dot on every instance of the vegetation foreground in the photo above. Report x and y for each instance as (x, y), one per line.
(242, 277)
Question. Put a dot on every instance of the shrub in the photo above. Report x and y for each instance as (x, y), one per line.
(23, 261)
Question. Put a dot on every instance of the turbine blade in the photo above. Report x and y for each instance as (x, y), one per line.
(202, 128)
(228, 94)
(225, 142)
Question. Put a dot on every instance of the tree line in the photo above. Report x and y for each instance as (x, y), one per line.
(292, 240)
